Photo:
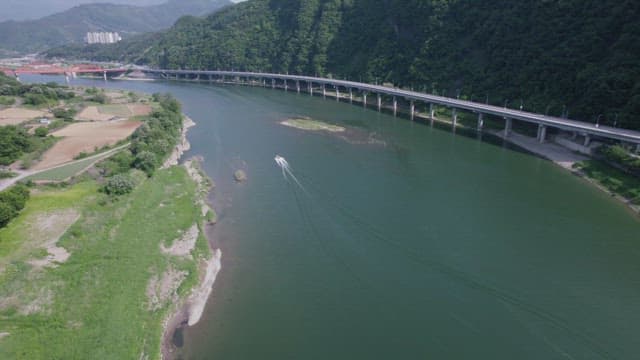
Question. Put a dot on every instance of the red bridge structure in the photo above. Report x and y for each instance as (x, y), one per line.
(49, 69)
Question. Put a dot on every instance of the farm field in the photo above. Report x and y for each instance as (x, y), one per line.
(85, 137)
(108, 112)
(14, 116)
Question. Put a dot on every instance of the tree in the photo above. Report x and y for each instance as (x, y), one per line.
(146, 161)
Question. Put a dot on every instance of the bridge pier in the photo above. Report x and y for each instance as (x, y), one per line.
(285, 85)
(324, 91)
(104, 75)
(542, 133)
(298, 86)
(395, 106)
(454, 117)
(350, 96)
(273, 83)
(337, 94)
(364, 100)
(587, 140)
(480, 121)
(311, 88)
(432, 112)
(379, 102)
(412, 110)
(507, 126)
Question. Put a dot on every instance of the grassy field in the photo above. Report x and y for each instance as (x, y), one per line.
(115, 109)
(95, 305)
(613, 179)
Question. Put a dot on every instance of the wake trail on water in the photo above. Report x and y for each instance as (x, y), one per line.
(305, 207)
(460, 276)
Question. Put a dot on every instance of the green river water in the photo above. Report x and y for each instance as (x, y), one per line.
(402, 242)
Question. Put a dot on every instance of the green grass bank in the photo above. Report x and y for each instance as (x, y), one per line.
(98, 301)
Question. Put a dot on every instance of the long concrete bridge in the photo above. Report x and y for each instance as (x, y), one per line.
(307, 83)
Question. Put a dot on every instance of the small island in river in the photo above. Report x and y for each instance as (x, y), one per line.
(307, 123)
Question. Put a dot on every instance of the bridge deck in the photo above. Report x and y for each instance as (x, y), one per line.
(556, 122)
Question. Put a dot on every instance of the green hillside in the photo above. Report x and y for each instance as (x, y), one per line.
(543, 54)
(72, 25)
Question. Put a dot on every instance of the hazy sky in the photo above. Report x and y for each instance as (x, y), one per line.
(33, 9)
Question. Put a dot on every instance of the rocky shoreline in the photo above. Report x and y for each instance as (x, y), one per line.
(189, 309)
(182, 147)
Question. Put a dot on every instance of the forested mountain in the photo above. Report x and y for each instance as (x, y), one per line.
(35, 9)
(72, 25)
(542, 53)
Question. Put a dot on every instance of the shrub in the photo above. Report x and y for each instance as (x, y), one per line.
(119, 184)
(66, 114)
(621, 156)
(41, 131)
(35, 99)
(7, 100)
(99, 98)
(6, 214)
(116, 164)
(6, 174)
(12, 201)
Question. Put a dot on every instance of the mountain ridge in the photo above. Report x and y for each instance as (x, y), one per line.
(71, 26)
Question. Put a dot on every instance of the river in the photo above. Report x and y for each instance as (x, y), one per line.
(401, 241)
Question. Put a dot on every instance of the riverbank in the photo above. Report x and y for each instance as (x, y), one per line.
(188, 310)
(132, 245)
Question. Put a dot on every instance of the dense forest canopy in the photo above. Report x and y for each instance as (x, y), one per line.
(546, 55)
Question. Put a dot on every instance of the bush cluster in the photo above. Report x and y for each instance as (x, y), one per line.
(620, 155)
(7, 100)
(15, 141)
(119, 184)
(34, 94)
(155, 139)
(12, 201)
(64, 114)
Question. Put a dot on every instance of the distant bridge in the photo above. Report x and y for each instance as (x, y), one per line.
(307, 83)
(72, 70)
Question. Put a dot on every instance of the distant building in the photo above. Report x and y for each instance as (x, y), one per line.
(103, 37)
